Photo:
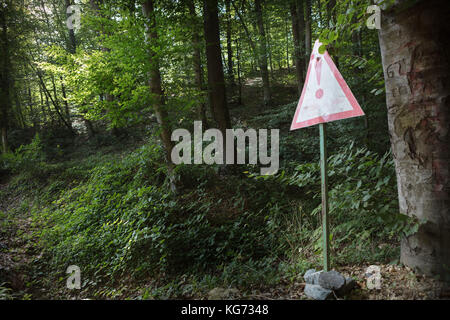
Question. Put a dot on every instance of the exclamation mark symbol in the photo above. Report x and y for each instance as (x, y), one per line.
(318, 68)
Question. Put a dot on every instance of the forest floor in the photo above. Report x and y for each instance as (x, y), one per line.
(19, 257)
(21, 264)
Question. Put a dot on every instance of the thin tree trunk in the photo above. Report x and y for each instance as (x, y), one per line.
(307, 32)
(198, 70)
(66, 104)
(72, 45)
(60, 111)
(298, 57)
(229, 48)
(95, 5)
(262, 52)
(72, 48)
(287, 45)
(5, 99)
(19, 109)
(54, 102)
(47, 105)
(34, 117)
(253, 49)
(159, 106)
(44, 113)
(238, 58)
(269, 49)
(415, 51)
(300, 6)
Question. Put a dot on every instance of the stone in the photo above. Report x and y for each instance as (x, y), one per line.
(308, 272)
(331, 280)
(316, 292)
(312, 276)
(223, 294)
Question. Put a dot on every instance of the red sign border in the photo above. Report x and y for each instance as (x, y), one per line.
(356, 112)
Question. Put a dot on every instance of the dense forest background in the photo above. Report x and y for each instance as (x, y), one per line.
(85, 173)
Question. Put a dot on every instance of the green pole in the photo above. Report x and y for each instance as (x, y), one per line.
(323, 171)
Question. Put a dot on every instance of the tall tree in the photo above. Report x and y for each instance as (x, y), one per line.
(71, 45)
(216, 80)
(415, 51)
(229, 42)
(269, 49)
(307, 31)
(96, 5)
(197, 61)
(238, 58)
(151, 36)
(262, 51)
(5, 77)
(296, 7)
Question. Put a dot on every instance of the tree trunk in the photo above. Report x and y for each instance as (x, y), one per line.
(34, 116)
(307, 32)
(238, 58)
(302, 32)
(151, 36)
(95, 5)
(54, 101)
(216, 79)
(72, 48)
(5, 99)
(42, 105)
(415, 51)
(229, 48)
(72, 45)
(287, 45)
(298, 56)
(269, 50)
(262, 52)
(19, 109)
(198, 70)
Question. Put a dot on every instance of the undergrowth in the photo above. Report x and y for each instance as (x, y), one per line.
(114, 217)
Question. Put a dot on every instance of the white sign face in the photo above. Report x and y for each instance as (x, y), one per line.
(325, 97)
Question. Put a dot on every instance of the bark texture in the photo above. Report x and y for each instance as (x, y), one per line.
(229, 47)
(5, 99)
(297, 13)
(307, 32)
(216, 79)
(197, 62)
(159, 106)
(263, 51)
(415, 50)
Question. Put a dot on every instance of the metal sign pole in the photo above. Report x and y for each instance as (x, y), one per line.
(323, 171)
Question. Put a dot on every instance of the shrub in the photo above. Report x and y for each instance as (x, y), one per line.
(28, 159)
(363, 206)
(124, 220)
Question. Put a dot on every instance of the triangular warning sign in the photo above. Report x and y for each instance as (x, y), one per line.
(326, 96)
